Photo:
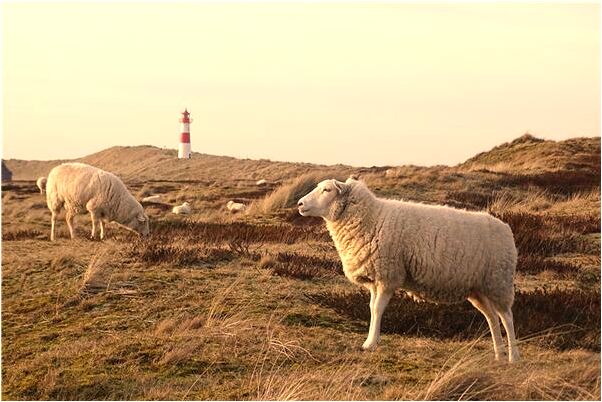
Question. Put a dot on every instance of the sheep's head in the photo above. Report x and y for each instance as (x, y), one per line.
(139, 223)
(327, 200)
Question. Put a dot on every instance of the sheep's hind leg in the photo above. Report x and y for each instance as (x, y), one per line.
(381, 301)
(52, 225)
(508, 321)
(102, 229)
(69, 219)
(484, 306)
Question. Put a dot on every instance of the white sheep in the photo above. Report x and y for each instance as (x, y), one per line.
(434, 253)
(41, 183)
(183, 209)
(152, 198)
(235, 207)
(79, 188)
(261, 182)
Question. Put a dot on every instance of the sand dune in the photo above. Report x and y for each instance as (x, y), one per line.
(526, 154)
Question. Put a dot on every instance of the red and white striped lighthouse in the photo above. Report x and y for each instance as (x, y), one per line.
(184, 151)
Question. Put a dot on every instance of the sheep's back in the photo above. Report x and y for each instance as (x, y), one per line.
(448, 253)
(75, 184)
(71, 185)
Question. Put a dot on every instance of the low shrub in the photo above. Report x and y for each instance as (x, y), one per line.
(561, 318)
(214, 233)
(21, 234)
(305, 267)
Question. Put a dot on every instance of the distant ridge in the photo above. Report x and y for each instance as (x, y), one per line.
(145, 162)
(524, 155)
(529, 154)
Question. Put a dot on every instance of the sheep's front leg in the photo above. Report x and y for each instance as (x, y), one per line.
(93, 216)
(381, 300)
(102, 229)
(372, 290)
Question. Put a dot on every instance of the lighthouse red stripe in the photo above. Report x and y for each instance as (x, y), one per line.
(185, 138)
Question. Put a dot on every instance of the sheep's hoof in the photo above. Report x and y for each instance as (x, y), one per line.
(370, 347)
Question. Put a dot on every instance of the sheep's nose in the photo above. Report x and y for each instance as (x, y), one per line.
(300, 203)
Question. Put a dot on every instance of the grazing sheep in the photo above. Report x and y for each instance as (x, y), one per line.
(183, 209)
(434, 253)
(261, 182)
(79, 188)
(41, 183)
(235, 207)
(152, 198)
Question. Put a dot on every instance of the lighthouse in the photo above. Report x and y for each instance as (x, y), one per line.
(184, 147)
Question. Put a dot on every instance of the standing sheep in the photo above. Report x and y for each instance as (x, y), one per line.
(41, 183)
(79, 188)
(434, 253)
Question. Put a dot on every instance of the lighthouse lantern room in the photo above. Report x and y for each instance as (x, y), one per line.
(184, 151)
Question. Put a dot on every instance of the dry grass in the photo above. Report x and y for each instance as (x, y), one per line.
(94, 278)
(249, 307)
(287, 195)
(541, 201)
(333, 381)
(471, 375)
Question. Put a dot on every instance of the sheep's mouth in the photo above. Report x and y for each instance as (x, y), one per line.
(303, 211)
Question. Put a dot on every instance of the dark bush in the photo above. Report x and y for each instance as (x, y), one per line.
(468, 199)
(533, 264)
(548, 235)
(567, 318)
(214, 233)
(304, 267)
(561, 182)
(153, 253)
(23, 234)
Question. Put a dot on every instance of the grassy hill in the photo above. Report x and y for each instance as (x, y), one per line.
(139, 163)
(528, 154)
(254, 306)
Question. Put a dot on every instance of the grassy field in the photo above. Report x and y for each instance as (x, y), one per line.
(254, 306)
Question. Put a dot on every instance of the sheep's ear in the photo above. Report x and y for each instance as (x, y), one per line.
(351, 178)
(340, 186)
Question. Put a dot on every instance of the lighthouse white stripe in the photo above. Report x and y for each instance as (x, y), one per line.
(184, 150)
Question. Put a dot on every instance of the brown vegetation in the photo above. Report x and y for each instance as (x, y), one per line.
(287, 195)
(255, 306)
(570, 318)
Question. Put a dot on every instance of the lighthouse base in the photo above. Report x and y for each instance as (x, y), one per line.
(184, 151)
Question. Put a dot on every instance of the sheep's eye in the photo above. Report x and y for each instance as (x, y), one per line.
(326, 190)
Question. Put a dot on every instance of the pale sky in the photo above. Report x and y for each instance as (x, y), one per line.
(361, 84)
